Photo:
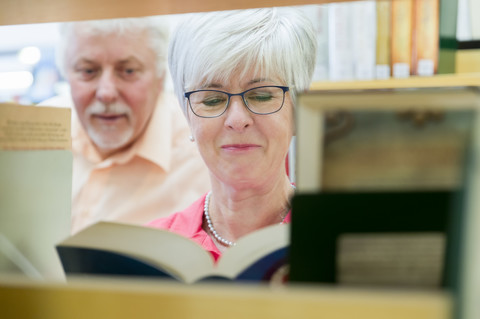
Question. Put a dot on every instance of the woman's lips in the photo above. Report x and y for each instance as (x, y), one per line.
(240, 147)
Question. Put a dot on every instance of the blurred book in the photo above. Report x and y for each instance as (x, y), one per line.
(340, 39)
(425, 37)
(35, 189)
(389, 239)
(383, 38)
(364, 29)
(474, 11)
(401, 43)
(448, 36)
(320, 18)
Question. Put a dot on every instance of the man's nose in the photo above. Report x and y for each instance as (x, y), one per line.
(107, 91)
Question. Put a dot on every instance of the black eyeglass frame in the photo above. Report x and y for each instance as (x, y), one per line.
(242, 94)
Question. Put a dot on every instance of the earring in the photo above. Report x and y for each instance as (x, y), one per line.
(191, 138)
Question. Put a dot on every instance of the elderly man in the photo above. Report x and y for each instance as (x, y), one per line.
(133, 160)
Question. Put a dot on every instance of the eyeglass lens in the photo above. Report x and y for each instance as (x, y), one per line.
(262, 100)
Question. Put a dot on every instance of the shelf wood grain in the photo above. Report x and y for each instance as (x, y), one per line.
(154, 299)
(436, 81)
(41, 11)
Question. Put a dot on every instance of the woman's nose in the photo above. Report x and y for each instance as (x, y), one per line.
(238, 117)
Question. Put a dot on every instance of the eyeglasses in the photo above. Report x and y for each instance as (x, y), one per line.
(260, 100)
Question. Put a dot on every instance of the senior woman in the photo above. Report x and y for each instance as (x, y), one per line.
(236, 74)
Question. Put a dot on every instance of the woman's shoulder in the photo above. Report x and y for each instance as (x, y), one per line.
(186, 222)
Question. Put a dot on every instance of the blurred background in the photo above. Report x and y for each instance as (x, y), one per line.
(28, 74)
(27, 63)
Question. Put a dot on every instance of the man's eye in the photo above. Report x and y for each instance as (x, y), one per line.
(87, 73)
(128, 73)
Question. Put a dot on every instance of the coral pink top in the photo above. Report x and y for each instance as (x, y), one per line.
(189, 224)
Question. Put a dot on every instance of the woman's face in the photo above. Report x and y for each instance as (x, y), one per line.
(243, 149)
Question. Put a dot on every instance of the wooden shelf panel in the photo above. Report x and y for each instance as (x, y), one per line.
(120, 299)
(440, 81)
(39, 11)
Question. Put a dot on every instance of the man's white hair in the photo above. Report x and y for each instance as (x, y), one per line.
(157, 29)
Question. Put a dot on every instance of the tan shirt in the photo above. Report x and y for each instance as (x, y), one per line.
(160, 174)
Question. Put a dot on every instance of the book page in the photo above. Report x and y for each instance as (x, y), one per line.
(251, 248)
(35, 209)
(168, 251)
(400, 259)
(30, 127)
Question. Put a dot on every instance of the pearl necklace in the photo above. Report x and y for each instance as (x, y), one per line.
(210, 225)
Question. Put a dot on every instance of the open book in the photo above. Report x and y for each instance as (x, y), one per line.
(110, 248)
(35, 189)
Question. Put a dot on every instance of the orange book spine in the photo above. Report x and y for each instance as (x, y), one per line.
(401, 41)
(426, 37)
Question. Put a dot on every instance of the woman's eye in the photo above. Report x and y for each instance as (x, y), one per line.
(260, 97)
(214, 101)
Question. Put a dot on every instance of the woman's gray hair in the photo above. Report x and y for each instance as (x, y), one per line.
(157, 29)
(276, 42)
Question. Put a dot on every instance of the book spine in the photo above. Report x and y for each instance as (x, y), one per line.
(364, 29)
(341, 67)
(474, 19)
(383, 19)
(448, 41)
(321, 69)
(318, 14)
(401, 45)
(425, 48)
(464, 26)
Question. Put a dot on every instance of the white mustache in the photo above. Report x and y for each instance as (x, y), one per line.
(116, 108)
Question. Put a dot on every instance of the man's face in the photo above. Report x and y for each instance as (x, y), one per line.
(114, 85)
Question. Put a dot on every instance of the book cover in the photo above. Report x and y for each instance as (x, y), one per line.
(383, 19)
(118, 249)
(405, 239)
(401, 43)
(425, 49)
(35, 189)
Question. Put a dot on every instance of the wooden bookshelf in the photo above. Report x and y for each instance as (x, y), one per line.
(30, 11)
(439, 81)
(440, 92)
(147, 299)
(153, 299)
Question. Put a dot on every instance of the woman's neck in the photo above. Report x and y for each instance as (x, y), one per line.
(237, 212)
